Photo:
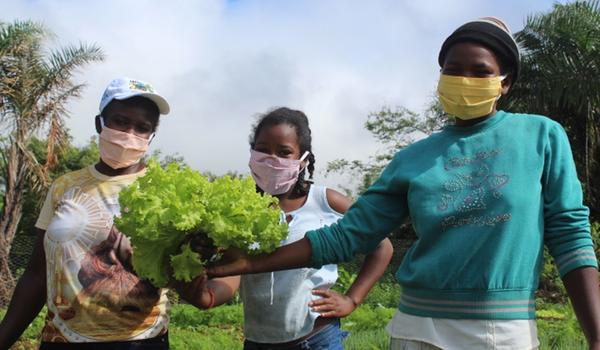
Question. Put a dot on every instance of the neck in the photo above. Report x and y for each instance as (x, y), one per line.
(289, 201)
(470, 122)
(104, 169)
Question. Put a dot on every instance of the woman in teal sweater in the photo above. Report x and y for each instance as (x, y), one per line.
(484, 196)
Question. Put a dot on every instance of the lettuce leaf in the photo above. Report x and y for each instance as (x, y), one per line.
(186, 265)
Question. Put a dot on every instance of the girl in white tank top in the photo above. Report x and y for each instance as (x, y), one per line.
(294, 309)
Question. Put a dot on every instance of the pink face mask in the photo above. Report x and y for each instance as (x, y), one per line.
(275, 175)
(120, 149)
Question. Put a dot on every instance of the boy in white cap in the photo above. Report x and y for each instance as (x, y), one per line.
(80, 267)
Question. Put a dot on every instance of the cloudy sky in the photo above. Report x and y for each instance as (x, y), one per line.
(221, 63)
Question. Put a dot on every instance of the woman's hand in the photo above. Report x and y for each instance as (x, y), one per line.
(333, 304)
(204, 246)
(233, 262)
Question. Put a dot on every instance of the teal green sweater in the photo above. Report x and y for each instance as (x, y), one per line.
(483, 201)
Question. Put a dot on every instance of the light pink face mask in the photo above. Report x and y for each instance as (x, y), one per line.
(120, 149)
(275, 175)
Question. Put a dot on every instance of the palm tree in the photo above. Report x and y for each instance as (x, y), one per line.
(35, 87)
(560, 78)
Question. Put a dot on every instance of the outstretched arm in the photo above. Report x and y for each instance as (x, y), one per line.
(380, 210)
(28, 297)
(291, 256)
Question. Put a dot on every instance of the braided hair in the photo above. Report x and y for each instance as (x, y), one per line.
(299, 121)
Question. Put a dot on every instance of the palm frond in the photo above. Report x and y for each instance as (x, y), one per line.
(35, 88)
(63, 63)
(18, 35)
(561, 60)
(54, 105)
(38, 177)
(560, 70)
(57, 141)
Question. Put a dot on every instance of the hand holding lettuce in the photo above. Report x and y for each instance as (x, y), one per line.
(165, 209)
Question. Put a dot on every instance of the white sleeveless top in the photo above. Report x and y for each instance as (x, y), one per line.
(276, 303)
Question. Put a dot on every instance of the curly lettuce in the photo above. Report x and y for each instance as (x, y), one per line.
(166, 208)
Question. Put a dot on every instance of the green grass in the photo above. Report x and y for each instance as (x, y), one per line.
(221, 328)
(205, 338)
(368, 340)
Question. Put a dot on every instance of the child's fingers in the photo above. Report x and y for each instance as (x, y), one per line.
(328, 310)
(329, 314)
(326, 297)
(324, 308)
(318, 302)
(325, 293)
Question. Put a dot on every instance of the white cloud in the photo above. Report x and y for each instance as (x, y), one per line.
(220, 63)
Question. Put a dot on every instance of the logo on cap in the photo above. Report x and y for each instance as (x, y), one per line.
(141, 86)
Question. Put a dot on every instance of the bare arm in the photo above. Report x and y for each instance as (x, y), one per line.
(375, 263)
(334, 304)
(583, 290)
(28, 297)
(204, 293)
(371, 271)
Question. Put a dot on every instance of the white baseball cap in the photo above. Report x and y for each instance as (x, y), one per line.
(124, 88)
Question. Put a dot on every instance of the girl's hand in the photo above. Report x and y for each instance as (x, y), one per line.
(333, 304)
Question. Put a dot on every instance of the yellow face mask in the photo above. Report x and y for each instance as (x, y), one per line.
(469, 98)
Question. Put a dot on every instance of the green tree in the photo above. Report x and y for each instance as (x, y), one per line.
(35, 86)
(394, 129)
(72, 158)
(560, 71)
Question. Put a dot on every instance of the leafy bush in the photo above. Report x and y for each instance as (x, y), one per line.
(345, 279)
(384, 294)
(596, 237)
(558, 327)
(551, 287)
(367, 317)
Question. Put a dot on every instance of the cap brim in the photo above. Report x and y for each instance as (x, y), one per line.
(161, 103)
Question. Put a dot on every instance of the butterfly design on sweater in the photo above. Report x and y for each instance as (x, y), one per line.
(472, 191)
